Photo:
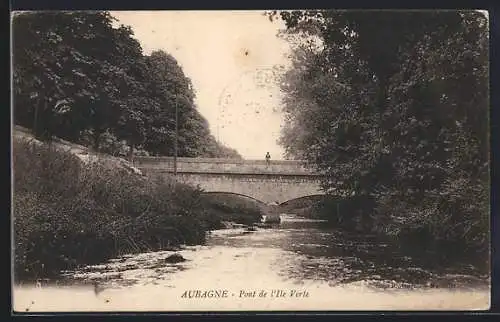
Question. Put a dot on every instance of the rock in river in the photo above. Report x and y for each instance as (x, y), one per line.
(175, 258)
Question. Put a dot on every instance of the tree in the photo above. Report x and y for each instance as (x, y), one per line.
(397, 122)
(78, 77)
(70, 72)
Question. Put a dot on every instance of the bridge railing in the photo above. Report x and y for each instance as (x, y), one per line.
(224, 166)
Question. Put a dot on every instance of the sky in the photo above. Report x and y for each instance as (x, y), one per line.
(229, 56)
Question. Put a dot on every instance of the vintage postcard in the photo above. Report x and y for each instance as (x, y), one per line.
(250, 160)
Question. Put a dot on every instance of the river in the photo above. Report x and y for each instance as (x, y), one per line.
(298, 265)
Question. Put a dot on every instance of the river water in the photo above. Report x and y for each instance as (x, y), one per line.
(297, 265)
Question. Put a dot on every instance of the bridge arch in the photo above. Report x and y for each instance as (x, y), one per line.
(277, 182)
(266, 188)
(314, 197)
(234, 194)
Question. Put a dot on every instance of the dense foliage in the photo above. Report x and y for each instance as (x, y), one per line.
(392, 107)
(78, 77)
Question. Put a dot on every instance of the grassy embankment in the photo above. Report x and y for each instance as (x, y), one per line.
(68, 213)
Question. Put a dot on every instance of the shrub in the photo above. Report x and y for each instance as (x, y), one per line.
(448, 225)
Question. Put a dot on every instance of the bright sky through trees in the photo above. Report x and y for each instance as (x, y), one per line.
(229, 56)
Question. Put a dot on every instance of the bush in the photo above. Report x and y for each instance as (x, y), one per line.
(449, 225)
(68, 213)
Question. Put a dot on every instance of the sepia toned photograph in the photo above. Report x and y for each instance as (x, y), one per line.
(281, 160)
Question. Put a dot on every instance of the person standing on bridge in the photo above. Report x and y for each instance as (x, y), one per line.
(268, 158)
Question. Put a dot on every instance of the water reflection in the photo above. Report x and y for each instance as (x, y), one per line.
(313, 252)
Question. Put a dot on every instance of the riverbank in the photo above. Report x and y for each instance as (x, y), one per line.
(69, 213)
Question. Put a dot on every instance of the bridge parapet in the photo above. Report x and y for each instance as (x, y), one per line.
(224, 166)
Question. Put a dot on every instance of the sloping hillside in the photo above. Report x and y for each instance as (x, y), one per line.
(85, 154)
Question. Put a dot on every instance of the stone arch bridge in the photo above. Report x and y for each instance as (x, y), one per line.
(279, 181)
